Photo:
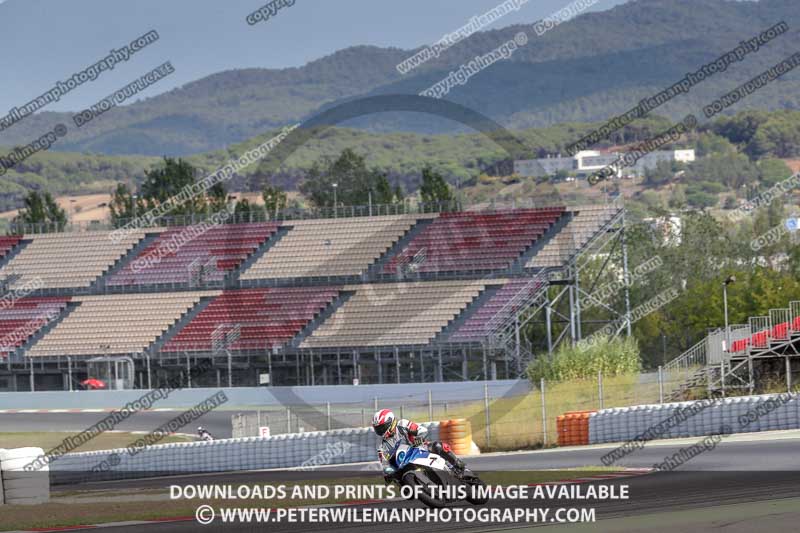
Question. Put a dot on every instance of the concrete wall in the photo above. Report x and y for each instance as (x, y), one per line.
(409, 393)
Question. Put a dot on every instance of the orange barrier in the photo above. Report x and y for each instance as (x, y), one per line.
(573, 428)
(457, 433)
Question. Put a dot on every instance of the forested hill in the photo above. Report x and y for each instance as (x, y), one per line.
(587, 69)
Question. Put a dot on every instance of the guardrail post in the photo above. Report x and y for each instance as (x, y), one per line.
(544, 414)
(660, 384)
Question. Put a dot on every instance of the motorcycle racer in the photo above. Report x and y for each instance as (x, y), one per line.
(391, 431)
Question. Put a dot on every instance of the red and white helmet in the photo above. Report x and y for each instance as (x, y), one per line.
(384, 422)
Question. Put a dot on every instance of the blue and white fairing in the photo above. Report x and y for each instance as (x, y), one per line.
(405, 455)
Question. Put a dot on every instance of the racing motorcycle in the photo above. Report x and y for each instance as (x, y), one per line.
(416, 466)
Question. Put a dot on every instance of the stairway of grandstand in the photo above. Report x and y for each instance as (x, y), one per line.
(324, 285)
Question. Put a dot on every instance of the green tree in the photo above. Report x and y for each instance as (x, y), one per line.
(275, 199)
(217, 197)
(168, 179)
(244, 211)
(434, 189)
(122, 206)
(349, 176)
(41, 208)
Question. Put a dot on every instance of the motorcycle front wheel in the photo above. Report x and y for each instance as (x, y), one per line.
(425, 496)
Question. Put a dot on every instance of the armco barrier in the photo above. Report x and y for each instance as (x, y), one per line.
(695, 418)
(253, 453)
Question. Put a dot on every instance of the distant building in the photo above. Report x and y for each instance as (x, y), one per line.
(588, 162)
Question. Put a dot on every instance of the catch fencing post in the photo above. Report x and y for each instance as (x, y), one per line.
(544, 414)
(486, 414)
(660, 384)
(328, 409)
(288, 420)
(788, 375)
(363, 422)
(375, 403)
(600, 387)
(430, 406)
(402, 411)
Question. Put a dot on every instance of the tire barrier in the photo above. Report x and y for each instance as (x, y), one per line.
(458, 434)
(699, 418)
(573, 428)
(295, 450)
(18, 485)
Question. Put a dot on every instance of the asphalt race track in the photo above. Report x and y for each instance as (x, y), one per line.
(217, 422)
(749, 482)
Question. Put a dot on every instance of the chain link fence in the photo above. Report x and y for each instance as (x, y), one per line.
(524, 420)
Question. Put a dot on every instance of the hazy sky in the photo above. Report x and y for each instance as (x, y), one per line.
(45, 41)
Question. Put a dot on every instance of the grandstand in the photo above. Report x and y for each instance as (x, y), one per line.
(416, 296)
(730, 359)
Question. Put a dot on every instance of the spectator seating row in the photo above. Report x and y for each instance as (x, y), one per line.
(8, 243)
(175, 255)
(388, 314)
(266, 318)
(474, 329)
(330, 247)
(584, 224)
(761, 339)
(67, 260)
(22, 318)
(474, 240)
(116, 324)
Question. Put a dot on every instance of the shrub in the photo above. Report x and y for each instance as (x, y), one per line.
(612, 357)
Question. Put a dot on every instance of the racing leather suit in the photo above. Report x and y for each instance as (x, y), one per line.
(408, 432)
